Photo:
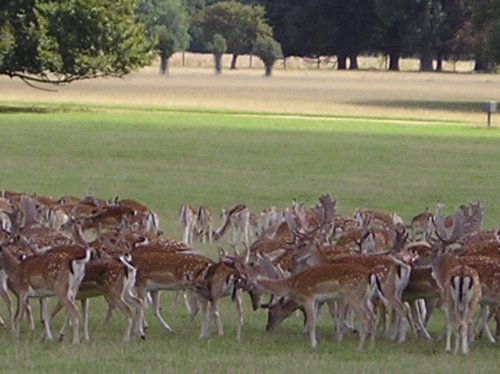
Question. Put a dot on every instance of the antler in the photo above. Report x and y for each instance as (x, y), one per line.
(467, 219)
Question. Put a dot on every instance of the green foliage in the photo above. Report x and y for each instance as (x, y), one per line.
(62, 41)
(239, 24)
(171, 16)
(493, 43)
(218, 45)
(268, 50)
(166, 42)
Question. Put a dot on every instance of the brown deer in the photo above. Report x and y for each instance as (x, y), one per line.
(350, 282)
(53, 273)
(114, 280)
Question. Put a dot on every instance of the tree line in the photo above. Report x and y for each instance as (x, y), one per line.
(66, 40)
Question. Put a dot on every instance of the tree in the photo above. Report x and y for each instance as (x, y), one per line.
(493, 43)
(167, 23)
(268, 50)
(238, 23)
(166, 47)
(394, 20)
(48, 41)
(218, 47)
(485, 15)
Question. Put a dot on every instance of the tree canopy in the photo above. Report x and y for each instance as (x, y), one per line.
(237, 23)
(167, 24)
(48, 41)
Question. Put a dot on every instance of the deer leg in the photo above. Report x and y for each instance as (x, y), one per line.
(448, 331)
(193, 312)
(141, 295)
(155, 296)
(109, 314)
(4, 294)
(120, 303)
(22, 297)
(420, 321)
(130, 299)
(205, 325)
(64, 293)
(310, 312)
(46, 319)
(216, 316)
(29, 315)
(482, 324)
(239, 310)
(85, 318)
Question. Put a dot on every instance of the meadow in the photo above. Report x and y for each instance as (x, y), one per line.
(396, 142)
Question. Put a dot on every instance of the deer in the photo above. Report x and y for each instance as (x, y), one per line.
(392, 268)
(166, 270)
(460, 291)
(204, 224)
(114, 280)
(350, 282)
(421, 225)
(459, 285)
(188, 218)
(489, 276)
(237, 218)
(218, 281)
(53, 273)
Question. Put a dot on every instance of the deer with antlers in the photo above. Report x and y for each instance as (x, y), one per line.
(459, 285)
(350, 282)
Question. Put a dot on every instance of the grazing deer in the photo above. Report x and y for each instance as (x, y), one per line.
(350, 282)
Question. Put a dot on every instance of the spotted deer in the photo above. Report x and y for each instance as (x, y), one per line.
(114, 280)
(350, 282)
(53, 273)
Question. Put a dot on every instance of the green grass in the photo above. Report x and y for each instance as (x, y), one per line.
(166, 158)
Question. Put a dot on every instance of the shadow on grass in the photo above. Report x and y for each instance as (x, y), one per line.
(10, 109)
(40, 108)
(450, 106)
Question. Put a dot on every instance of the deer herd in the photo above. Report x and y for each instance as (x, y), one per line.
(378, 276)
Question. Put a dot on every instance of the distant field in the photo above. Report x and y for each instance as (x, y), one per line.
(371, 139)
(444, 96)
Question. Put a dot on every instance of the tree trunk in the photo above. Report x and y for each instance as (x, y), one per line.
(218, 63)
(426, 61)
(233, 61)
(341, 61)
(394, 61)
(269, 69)
(481, 65)
(163, 65)
(439, 63)
(353, 59)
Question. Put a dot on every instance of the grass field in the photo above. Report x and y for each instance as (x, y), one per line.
(117, 138)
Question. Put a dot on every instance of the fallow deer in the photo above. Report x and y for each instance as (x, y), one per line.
(187, 217)
(350, 282)
(53, 273)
